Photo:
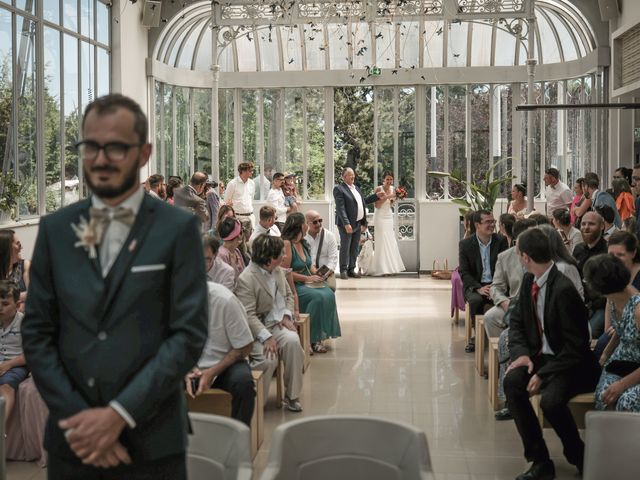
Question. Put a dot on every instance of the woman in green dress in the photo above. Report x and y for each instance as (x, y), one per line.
(314, 296)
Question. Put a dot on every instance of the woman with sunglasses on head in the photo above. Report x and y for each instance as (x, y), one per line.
(518, 204)
(386, 256)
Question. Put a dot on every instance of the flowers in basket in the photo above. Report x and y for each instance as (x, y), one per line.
(401, 192)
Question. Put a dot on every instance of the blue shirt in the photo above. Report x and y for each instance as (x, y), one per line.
(485, 253)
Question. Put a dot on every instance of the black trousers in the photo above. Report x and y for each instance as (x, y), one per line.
(349, 248)
(168, 468)
(477, 301)
(238, 381)
(555, 393)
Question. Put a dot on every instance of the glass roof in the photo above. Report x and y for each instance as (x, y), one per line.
(562, 34)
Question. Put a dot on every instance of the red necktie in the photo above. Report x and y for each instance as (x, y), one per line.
(535, 288)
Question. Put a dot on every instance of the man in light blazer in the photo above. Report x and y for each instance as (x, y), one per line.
(117, 313)
(265, 293)
(351, 212)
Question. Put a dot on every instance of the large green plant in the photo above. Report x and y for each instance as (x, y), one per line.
(10, 191)
(479, 196)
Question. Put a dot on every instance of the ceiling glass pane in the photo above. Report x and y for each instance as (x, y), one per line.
(203, 55)
(291, 48)
(315, 46)
(70, 14)
(433, 33)
(409, 44)
(361, 35)
(51, 10)
(267, 39)
(226, 53)
(550, 50)
(103, 23)
(481, 45)
(566, 40)
(26, 5)
(385, 46)
(505, 48)
(189, 46)
(86, 18)
(457, 48)
(173, 52)
(246, 53)
(338, 51)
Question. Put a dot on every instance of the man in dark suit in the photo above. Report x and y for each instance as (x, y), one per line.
(351, 212)
(551, 355)
(477, 262)
(188, 197)
(117, 313)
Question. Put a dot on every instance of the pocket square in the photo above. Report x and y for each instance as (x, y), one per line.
(148, 268)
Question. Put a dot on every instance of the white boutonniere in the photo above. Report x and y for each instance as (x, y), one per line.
(87, 236)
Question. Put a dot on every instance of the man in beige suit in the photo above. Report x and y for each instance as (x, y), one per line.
(263, 290)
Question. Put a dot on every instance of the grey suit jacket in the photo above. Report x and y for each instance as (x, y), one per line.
(130, 337)
(255, 295)
(507, 276)
(187, 198)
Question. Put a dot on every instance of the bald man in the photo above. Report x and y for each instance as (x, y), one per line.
(188, 197)
(351, 212)
(324, 248)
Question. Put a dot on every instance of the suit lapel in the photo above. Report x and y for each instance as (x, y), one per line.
(93, 262)
(476, 253)
(130, 248)
(261, 280)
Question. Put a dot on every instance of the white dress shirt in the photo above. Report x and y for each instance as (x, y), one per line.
(329, 253)
(275, 198)
(241, 194)
(358, 197)
(117, 232)
(542, 283)
(558, 196)
(274, 231)
(112, 241)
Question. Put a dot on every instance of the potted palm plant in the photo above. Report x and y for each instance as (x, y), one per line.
(479, 196)
(9, 193)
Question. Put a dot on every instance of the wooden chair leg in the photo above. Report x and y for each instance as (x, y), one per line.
(280, 382)
(467, 324)
(480, 343)
(494, 373)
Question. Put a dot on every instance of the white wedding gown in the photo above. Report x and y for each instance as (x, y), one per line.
(386, 257)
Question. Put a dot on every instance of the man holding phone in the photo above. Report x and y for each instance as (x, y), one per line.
(223, 363)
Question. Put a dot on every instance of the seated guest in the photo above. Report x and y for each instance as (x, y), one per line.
(12, 266)
(571, 236)
(477, 260)
(580, 203)
(314, 296)
(268, 299)
(599, 197)
(155, 185)
(188, 197)
(623, 245)
(322, 243)
(505, 227)
(539, 218)
(266, 224)
(218, 271)
(230, 231)
(565, 263)
(608, 216)
(12, 366)
(518, 204)
(223, 363)
(593, 244)
(276, 199)
(550, 352)
(469, 227)
(225, 211)
(619, 385)
(247, 231)
(625, 203)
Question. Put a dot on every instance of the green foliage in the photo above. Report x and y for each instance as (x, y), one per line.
(479, 196)
(10, 192)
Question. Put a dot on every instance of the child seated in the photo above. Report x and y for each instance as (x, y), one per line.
(13, 368)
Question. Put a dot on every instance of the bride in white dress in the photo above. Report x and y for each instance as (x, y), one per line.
(386, 258)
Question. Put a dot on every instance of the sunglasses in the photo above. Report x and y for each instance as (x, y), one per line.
(316, 222)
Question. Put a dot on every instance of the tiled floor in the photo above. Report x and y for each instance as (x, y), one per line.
(401, 358)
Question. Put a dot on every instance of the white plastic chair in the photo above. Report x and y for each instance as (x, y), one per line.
(219, 449)
(611, 446)
(348, 447)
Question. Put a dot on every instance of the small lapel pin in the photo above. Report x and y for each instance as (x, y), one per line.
(133, 244)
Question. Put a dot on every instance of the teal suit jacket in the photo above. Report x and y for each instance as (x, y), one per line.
(130, 337)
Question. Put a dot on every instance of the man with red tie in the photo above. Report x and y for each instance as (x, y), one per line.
(550, 354)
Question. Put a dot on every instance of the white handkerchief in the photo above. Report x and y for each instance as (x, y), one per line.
(148, 268)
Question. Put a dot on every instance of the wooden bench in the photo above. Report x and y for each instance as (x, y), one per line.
(579, 406)
(257, 421)
(304, 332)
(480, 344)
(494, 373)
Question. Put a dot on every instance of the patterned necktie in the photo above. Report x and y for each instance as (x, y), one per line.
(535, 289)
(101, 218)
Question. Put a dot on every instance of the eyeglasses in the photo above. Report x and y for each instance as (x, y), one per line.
(488, 222)
(114, 151)
(316, 222)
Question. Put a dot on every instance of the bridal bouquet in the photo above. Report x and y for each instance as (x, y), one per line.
(401, 193)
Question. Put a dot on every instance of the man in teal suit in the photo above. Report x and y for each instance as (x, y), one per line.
(117, 313)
